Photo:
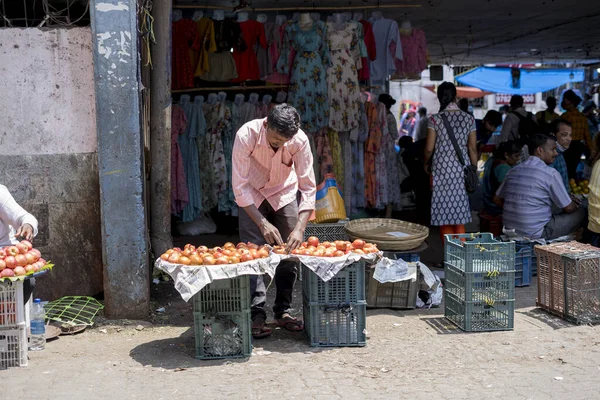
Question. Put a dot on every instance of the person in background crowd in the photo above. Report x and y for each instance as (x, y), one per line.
(388, 143)
(506, 156)
(450, 207)
(486, 128)
(407, 127)
(504, 110)
(463, 104)
(581, 132)
(561, 129)
(529, 192)
(421, 131)
(418, 180)
(545, 118)
(15, 224)
(510, 127)
(272, 165)
(591, 114)
(591, 234)
(587, 100)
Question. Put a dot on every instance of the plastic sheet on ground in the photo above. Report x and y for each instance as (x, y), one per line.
(387, 270)
(190, 279)
(328, 267)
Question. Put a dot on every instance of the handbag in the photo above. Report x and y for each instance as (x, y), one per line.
(471, 177)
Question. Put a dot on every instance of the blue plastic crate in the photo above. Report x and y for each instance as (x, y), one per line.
(408, 257)
(479, 253)
(523, 262)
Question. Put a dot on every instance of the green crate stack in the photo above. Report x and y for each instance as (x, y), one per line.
(479, 292)
(222, 319)
(335, 311)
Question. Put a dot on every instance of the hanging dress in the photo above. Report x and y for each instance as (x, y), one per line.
(245, 59)
(342, 77)
(372, 146)
(221, 65)
(275, 45)
(388, 147)
(201, 149)
(226, 196)
(358, 161)
(369, 38)
(324, 154)
(381, 161)
(263, 55)
(215, 121)
(179, 192)
(185, 39)
(308, 84)
(189, 154)
(386, 32)
(207, 45)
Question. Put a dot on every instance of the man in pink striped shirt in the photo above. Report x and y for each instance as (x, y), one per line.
(272, 164)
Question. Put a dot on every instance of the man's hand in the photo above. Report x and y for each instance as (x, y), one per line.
(576, 200)
(25, 231)
(270, 233)
(295, 239)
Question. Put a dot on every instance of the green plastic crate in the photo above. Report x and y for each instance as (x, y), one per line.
(347, 287)
(335, 325)
(398, 295)
(222, 321)
(479, 286)
(479, 316)
(479, 253)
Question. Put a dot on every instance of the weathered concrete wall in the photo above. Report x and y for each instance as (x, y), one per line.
(48, 148)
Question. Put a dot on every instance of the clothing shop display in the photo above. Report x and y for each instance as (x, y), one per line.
(381, 160)
(221, 65)
(372, 147)
(308, 83)
(336, 155)
(206, 40)
(189, 154)
(358, 161)
(386, 32)
(414, 60)
(263, 55)
(324, 154)
(342, 76)
(179, 191)
(369, 40)
(185, 39)
(388, 147)
(275, 45)
(246, 63)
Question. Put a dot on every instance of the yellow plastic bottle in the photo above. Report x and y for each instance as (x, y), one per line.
(329, 206)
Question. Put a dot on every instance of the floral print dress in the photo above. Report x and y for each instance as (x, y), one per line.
(342, 76)
(308, 83)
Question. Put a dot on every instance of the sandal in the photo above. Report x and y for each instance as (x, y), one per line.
(259, 328)
(290, 323)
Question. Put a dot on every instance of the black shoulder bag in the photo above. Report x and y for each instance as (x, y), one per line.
(471, 177)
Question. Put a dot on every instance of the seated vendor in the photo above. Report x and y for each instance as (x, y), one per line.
(562, 130)
(505, 157)
(533, 197)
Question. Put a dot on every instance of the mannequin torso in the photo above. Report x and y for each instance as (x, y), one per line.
(239, 99)
(305, 22)
(212, 99)
(176, 15)
(199, 100)
(219, 15)
(338, 21)
(376, 15)
(358, 16)
(242, 17)
(253, 99)
(221, 97)
(262, 18)
(267, 99)
(198, 15)
(280, 20)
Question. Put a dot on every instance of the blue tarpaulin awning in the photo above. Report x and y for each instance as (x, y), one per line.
(500, 80)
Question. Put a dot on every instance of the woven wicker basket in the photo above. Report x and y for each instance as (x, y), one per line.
(377, 231)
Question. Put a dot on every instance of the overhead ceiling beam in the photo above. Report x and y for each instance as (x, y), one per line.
(316, 8)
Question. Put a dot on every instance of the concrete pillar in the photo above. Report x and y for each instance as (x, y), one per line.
(120, 158)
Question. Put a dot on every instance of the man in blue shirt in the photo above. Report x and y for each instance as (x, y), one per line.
(562, 130)
(531, 191)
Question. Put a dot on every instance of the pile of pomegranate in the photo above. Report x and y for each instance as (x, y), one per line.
(228, 254)
(20, 259)
(339, 248)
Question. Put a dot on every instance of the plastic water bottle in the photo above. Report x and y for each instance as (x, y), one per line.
(37, 340)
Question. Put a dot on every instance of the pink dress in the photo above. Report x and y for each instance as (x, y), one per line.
(275, 43)
(179, 190)
(414, 61)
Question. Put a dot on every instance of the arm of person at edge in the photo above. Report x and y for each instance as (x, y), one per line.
(498, 198)
(303, 165)
(429, 147)
(560, 196)
(12, 213)
(241, 187)
(472, 146)
(508, 127)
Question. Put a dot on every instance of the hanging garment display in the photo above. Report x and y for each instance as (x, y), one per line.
(388, 148)
(263, 54)
(275, 45)
(336, 155)
(221, 64)
(308, 83)
(381, 161)
(348, 188)
(185, 39)
(217, 117)
(323, 154)
(342, 77)
(358, 161)
(246, 63)
(189, 155)
(414, 49)
(205, 173)
(207, 45)
(386, 32)
(179, 192)
(372, 146)
(369, 40)
(226, 197)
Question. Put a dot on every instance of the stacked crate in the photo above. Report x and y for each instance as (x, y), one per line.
(222, 319)
(13, 330)
(523, 263)
(479, 288)
(335, 311)
(398, 295)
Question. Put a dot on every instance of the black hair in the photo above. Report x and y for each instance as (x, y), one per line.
(551, 100)
(405, 142)
(555, 125)
(504, 108)
(516, 101)
(446, 94)
(572, 97)
(284, 119)
(494, 118)
(510, 147)
(422, 111)
(463, 104)
(538, 140)
(386, 99)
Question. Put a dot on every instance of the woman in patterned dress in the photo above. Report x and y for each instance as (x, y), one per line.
(450, 208)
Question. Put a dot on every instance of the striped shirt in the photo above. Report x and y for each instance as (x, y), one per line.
(594, 200)
(528, 191)
(260, 173)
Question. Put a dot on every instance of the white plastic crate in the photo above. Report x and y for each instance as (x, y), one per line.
(13, 347)
(12, 307)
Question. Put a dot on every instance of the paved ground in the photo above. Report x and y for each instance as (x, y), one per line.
(410, 354)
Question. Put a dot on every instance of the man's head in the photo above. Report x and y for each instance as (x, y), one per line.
(504, 110)
(570, 100)
(551, 103)
(509, 151)
(386, 99)
(412, 112)
(590, 110)
(563, 131)
(516, 102)
(422, 112)
(543, 147)
(282, 123)
(492, 120)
